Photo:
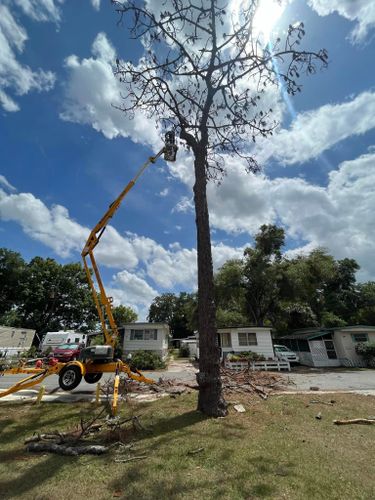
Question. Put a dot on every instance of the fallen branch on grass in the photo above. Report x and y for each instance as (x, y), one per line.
(317, 401)
(73, 443)
(194, 452)
(62, 449)
(365, 421)
(130, 459)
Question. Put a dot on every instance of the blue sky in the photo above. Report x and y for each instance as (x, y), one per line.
(66, 153)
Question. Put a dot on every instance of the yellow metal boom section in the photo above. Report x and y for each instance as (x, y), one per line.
(103, 303)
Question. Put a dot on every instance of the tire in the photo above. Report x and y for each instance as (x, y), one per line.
(70, 377)
(92, 378)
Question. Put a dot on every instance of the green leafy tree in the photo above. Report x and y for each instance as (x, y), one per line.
(365, 314)
(12, 269)
(162, 309)
(56, 296)
(204, 71)
(124, 315)
(303, 288)
(342, 294)
(261, 274)
(175, 310)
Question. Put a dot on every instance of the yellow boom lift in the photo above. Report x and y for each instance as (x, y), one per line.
(94, 360)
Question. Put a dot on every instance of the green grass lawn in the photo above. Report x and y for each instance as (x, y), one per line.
(277, 449)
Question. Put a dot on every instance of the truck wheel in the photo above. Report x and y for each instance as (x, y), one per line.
(92, 378)
(70, 377)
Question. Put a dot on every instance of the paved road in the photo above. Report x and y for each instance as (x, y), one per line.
(302, 379)
(179, 369)
(338, 379)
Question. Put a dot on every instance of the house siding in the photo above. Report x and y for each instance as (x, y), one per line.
(158, 346)
(342, 340)
(346, 346)
(15, 340)
(264, 341)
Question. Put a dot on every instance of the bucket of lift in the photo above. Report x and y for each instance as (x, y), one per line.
(170, 148)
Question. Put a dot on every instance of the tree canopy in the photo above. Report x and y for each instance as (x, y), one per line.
(178, 311)
(47, 296)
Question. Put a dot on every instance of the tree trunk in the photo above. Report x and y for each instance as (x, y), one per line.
(210, 400)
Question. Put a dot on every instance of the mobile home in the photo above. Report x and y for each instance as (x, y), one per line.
(146, 337)
(14, 341)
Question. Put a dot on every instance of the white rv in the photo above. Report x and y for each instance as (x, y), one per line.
(54, 339)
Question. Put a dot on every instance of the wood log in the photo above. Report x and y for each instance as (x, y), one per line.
(61, 449)
(365, 421)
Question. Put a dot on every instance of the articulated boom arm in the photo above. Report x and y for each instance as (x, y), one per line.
(104, 303)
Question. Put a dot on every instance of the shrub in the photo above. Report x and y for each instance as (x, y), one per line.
(146, 360)
(367, 351)
(246, 356)
(32, 352)
(184, 351)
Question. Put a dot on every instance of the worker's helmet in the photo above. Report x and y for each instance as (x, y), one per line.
(170, 149)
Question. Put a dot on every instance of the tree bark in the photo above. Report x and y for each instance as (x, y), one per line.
(210, 400)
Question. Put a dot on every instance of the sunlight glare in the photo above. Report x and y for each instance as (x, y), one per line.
(266, 16)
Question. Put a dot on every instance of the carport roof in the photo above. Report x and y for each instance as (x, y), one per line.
(307, 335)
(311, 333)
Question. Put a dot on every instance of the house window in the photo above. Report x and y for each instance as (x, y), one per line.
(225, 339)
(144, 334)
(247, 338)
(359, 337)
(151, 335)
(76, 340)
(330, 347)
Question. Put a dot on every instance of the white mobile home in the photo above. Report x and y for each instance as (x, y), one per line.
(326, 347)
(146, 337)
(54, 339)
(14, 341)
(248, 338)
(191, 344)
(234, 340)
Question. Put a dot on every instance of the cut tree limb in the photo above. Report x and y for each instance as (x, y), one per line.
(130, 459)
(72, 451)
(365, 421)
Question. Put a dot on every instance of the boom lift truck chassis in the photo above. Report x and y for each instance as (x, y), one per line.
(95, 360)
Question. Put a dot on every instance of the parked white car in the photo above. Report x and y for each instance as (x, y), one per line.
(283, 353)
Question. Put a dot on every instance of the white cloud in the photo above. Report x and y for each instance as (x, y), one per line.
(96, 4)
(41, 10)
(5, 183)
(338, 217)
(15, 77)
(240, 203)
(164, 193)
(361, 11)
(140, 259)
(130, 289)
(92, 91)
(316, 131)
(53, 227)
(221, 253)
